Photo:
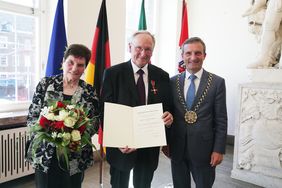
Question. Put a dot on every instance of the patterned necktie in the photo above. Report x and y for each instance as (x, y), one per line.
(190, 95)
(141, 87)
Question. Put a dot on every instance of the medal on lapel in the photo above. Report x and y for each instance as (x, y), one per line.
(154, 90)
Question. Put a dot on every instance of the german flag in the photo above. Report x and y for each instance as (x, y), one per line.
(100, 55)
(100, 52)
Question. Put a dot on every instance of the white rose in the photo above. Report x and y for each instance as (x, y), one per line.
(75, 135)
(70, 106)
(69, 121)
(62, 115)
(66, 136)
(66, 139)
(50, 116)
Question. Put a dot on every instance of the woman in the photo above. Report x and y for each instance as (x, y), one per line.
(66, 86)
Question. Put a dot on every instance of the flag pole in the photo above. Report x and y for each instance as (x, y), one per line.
(101, 166)
(102, 154)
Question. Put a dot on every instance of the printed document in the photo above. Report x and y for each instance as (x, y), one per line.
(135, 127)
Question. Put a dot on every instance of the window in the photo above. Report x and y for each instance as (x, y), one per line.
(3, 39)
(20, 39)
(3, 61)
(28, 3)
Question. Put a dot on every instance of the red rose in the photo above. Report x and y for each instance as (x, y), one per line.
(43, 122)
(82, 129)
(60, 104)
(58, 124)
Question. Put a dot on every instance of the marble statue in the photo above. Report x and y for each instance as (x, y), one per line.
(265, 18)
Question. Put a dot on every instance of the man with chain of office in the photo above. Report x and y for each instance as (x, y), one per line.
(198, 134)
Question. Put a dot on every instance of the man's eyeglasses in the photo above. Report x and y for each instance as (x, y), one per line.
(139, 49)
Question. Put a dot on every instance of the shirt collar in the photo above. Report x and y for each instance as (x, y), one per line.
(135, 68)
(198, 74)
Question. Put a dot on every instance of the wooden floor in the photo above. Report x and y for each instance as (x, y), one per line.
(162, 177)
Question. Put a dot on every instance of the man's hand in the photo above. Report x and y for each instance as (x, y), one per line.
(167, 118)
(216, 159)
(127, 150)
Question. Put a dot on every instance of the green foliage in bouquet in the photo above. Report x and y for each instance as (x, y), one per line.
(65, 125)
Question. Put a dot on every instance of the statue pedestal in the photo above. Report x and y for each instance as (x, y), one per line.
(258, 138)
(265, 75)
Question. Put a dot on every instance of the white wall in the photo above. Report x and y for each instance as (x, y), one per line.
(230, 47)
(82, 19)
(167, 35)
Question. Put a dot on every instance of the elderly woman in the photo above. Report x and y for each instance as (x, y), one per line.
(66, 86)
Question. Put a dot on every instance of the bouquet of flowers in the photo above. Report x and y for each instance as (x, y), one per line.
(65, 125)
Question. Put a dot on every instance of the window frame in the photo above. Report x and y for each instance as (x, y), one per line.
(40, 54)
(3, 42)
(6, 61)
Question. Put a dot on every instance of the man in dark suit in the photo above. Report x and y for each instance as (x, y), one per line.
(122, 86)
(198, 134)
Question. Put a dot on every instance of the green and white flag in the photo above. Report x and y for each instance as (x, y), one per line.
(142, 20)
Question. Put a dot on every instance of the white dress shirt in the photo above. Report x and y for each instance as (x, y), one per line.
(187, 81)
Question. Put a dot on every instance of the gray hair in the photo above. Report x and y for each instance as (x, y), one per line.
(142, 32)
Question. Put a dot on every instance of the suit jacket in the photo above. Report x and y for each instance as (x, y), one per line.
(208, 133)
(119, 87)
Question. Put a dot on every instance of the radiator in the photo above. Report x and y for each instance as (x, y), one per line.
(12, 147)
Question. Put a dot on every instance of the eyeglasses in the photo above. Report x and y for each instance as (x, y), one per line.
(139, 49)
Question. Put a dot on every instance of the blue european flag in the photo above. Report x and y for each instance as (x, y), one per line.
(58, 42)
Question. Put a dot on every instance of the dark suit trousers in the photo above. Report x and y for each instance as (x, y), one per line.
(57, 178)
(142, 174)
(203, 176)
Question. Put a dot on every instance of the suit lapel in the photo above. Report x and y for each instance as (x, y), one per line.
(151, 78)
(181, 86)
(181, 82)
(202, 86)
